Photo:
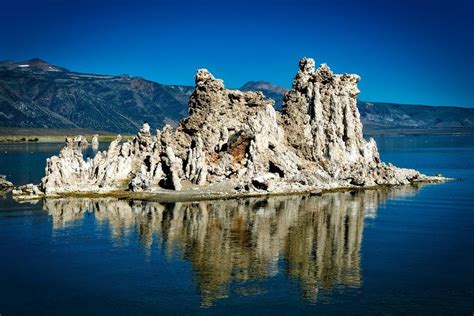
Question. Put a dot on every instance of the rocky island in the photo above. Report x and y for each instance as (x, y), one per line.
(235, 143)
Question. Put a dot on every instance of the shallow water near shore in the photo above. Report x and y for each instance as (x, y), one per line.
(402, 250)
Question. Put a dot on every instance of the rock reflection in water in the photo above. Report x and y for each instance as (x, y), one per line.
(315, 240)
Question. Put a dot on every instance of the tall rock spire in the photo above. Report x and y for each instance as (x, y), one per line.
(322, 122)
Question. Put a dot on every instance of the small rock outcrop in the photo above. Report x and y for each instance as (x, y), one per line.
(79, 141)
(4, 183)
(237, 141)
(95, 142)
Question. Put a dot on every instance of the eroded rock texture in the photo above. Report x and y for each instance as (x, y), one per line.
(4, 183)
(236, 141)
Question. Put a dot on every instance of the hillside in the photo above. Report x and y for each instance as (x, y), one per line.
(378, 116)
(36, 94)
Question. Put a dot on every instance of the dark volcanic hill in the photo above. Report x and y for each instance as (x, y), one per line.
(35, 94)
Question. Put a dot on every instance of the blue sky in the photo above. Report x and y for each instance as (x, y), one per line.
(419, 52)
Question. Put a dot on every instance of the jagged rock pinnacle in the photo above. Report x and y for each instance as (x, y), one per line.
(307, 65)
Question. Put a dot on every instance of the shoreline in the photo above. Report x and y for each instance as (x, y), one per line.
(59, 136)
(41, 139)
(171, 196)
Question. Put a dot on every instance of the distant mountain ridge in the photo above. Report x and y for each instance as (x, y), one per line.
(382, 114)
(35, 94)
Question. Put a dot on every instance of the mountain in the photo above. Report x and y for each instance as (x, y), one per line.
(378, 116)
(269, 90)
(36, 94)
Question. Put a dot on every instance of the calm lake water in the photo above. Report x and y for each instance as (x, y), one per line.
(392, 251)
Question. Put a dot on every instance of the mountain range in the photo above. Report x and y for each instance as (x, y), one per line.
(36, 94)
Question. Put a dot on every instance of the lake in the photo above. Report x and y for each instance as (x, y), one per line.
(408, 249)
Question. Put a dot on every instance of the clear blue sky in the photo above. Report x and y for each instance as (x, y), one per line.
(418, 52)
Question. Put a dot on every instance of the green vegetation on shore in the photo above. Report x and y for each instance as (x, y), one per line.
(51, 135)
(51, 138)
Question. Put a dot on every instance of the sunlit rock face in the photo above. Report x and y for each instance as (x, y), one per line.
(236, 141)
(321, 118)
(314, 240)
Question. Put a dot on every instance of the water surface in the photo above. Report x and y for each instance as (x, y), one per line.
(403, 250)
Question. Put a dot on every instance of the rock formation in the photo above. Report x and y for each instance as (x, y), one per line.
(79, 141)
(4, 183)
(236, 142)
(95, 142)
